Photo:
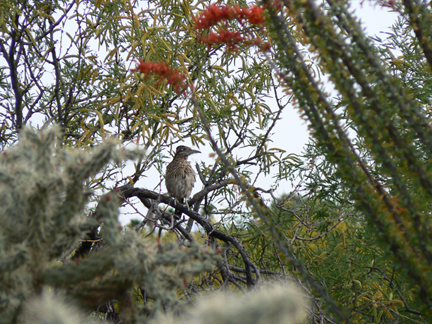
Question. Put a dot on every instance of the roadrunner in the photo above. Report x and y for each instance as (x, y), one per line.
(180, 177)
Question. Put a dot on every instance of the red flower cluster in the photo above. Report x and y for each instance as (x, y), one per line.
(164, 72)
(211, 16)
(214, 14)
(232, 39)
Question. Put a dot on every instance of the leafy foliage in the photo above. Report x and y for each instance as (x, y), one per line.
(353, 232)
(384, 168)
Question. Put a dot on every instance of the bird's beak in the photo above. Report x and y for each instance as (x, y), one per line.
(194, 151)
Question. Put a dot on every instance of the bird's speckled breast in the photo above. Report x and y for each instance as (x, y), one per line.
(181, 179)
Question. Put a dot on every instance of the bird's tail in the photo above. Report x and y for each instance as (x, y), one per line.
(178, 212)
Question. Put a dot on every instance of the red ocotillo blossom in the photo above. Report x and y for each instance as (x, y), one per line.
(213, 14)
(164, 72)
(231, 39)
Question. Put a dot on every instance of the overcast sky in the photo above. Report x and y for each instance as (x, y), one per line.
(375, 20)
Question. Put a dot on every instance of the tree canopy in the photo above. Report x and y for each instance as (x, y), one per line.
(108, 81)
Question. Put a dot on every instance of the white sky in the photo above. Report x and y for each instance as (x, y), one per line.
(292, 133)
(375, 20)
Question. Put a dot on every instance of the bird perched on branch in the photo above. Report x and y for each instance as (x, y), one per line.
(180, 177)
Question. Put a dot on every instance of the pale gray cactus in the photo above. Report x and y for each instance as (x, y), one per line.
(44, 217)
(276, 304)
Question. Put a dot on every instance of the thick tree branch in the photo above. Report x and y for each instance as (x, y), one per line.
(128, 192)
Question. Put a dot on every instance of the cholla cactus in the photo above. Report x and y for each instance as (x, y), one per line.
(279, 304)
(43, 198)
(50, 308)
